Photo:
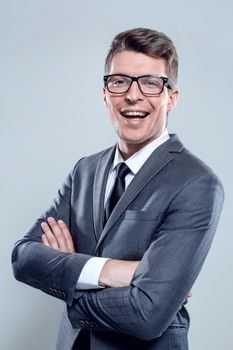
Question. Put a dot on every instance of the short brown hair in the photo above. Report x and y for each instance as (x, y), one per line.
(149, 42)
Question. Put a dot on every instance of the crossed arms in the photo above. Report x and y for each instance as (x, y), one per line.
(115, 273)
(151, 291)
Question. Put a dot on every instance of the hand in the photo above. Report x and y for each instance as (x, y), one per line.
(117, 273)
(186, 300)
(56, 235)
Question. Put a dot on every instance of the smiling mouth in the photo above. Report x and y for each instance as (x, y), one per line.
(134, 114)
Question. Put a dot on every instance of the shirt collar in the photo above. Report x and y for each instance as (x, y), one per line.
(136, 161)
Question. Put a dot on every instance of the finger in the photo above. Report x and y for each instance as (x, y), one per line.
(58, 234)
(67, 236)
(190, 294)
(44, 240)
(52, 241)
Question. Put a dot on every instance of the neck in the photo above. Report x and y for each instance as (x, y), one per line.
(128, 149)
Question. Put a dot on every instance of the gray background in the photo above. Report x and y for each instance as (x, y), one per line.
(52, 113)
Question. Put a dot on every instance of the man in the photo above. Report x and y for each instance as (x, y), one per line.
(124, 262)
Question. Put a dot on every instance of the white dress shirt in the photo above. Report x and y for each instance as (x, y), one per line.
(90, 273)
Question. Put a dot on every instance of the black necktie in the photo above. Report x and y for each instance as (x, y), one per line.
(119, 187)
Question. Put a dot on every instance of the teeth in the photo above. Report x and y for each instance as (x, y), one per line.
(135, 114)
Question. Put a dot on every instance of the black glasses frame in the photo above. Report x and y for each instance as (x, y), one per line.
(166, 82)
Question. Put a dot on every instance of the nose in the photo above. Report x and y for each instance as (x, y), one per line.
(134, 94)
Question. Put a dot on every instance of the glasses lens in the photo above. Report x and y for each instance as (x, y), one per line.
(118, 84)
(151, 85)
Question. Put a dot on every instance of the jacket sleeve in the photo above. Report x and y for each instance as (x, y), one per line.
(166, 272)
(45, 268)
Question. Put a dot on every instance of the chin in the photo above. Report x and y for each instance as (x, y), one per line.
(135, 139)
(140, 142)
(131, 140)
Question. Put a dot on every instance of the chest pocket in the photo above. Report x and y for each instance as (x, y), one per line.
(131, 235)
(140, 215)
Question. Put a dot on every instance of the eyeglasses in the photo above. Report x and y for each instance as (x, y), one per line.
(151, 85)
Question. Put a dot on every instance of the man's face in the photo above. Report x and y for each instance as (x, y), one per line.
(137, 130)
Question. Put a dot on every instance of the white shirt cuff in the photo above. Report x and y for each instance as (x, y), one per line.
(89, 276)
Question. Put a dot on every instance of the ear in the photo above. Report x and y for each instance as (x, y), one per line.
(173, 98)
(104, 93)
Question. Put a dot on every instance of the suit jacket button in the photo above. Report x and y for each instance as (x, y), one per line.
(52, 291)
(59, 293)
(82, 323)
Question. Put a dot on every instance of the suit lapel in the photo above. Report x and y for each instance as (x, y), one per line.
(157, 161)
(99, 187)
(154, 164)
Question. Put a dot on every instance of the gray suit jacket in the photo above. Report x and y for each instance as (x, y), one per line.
(166, 218)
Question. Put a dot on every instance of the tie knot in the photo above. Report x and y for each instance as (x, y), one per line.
(122, 170)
